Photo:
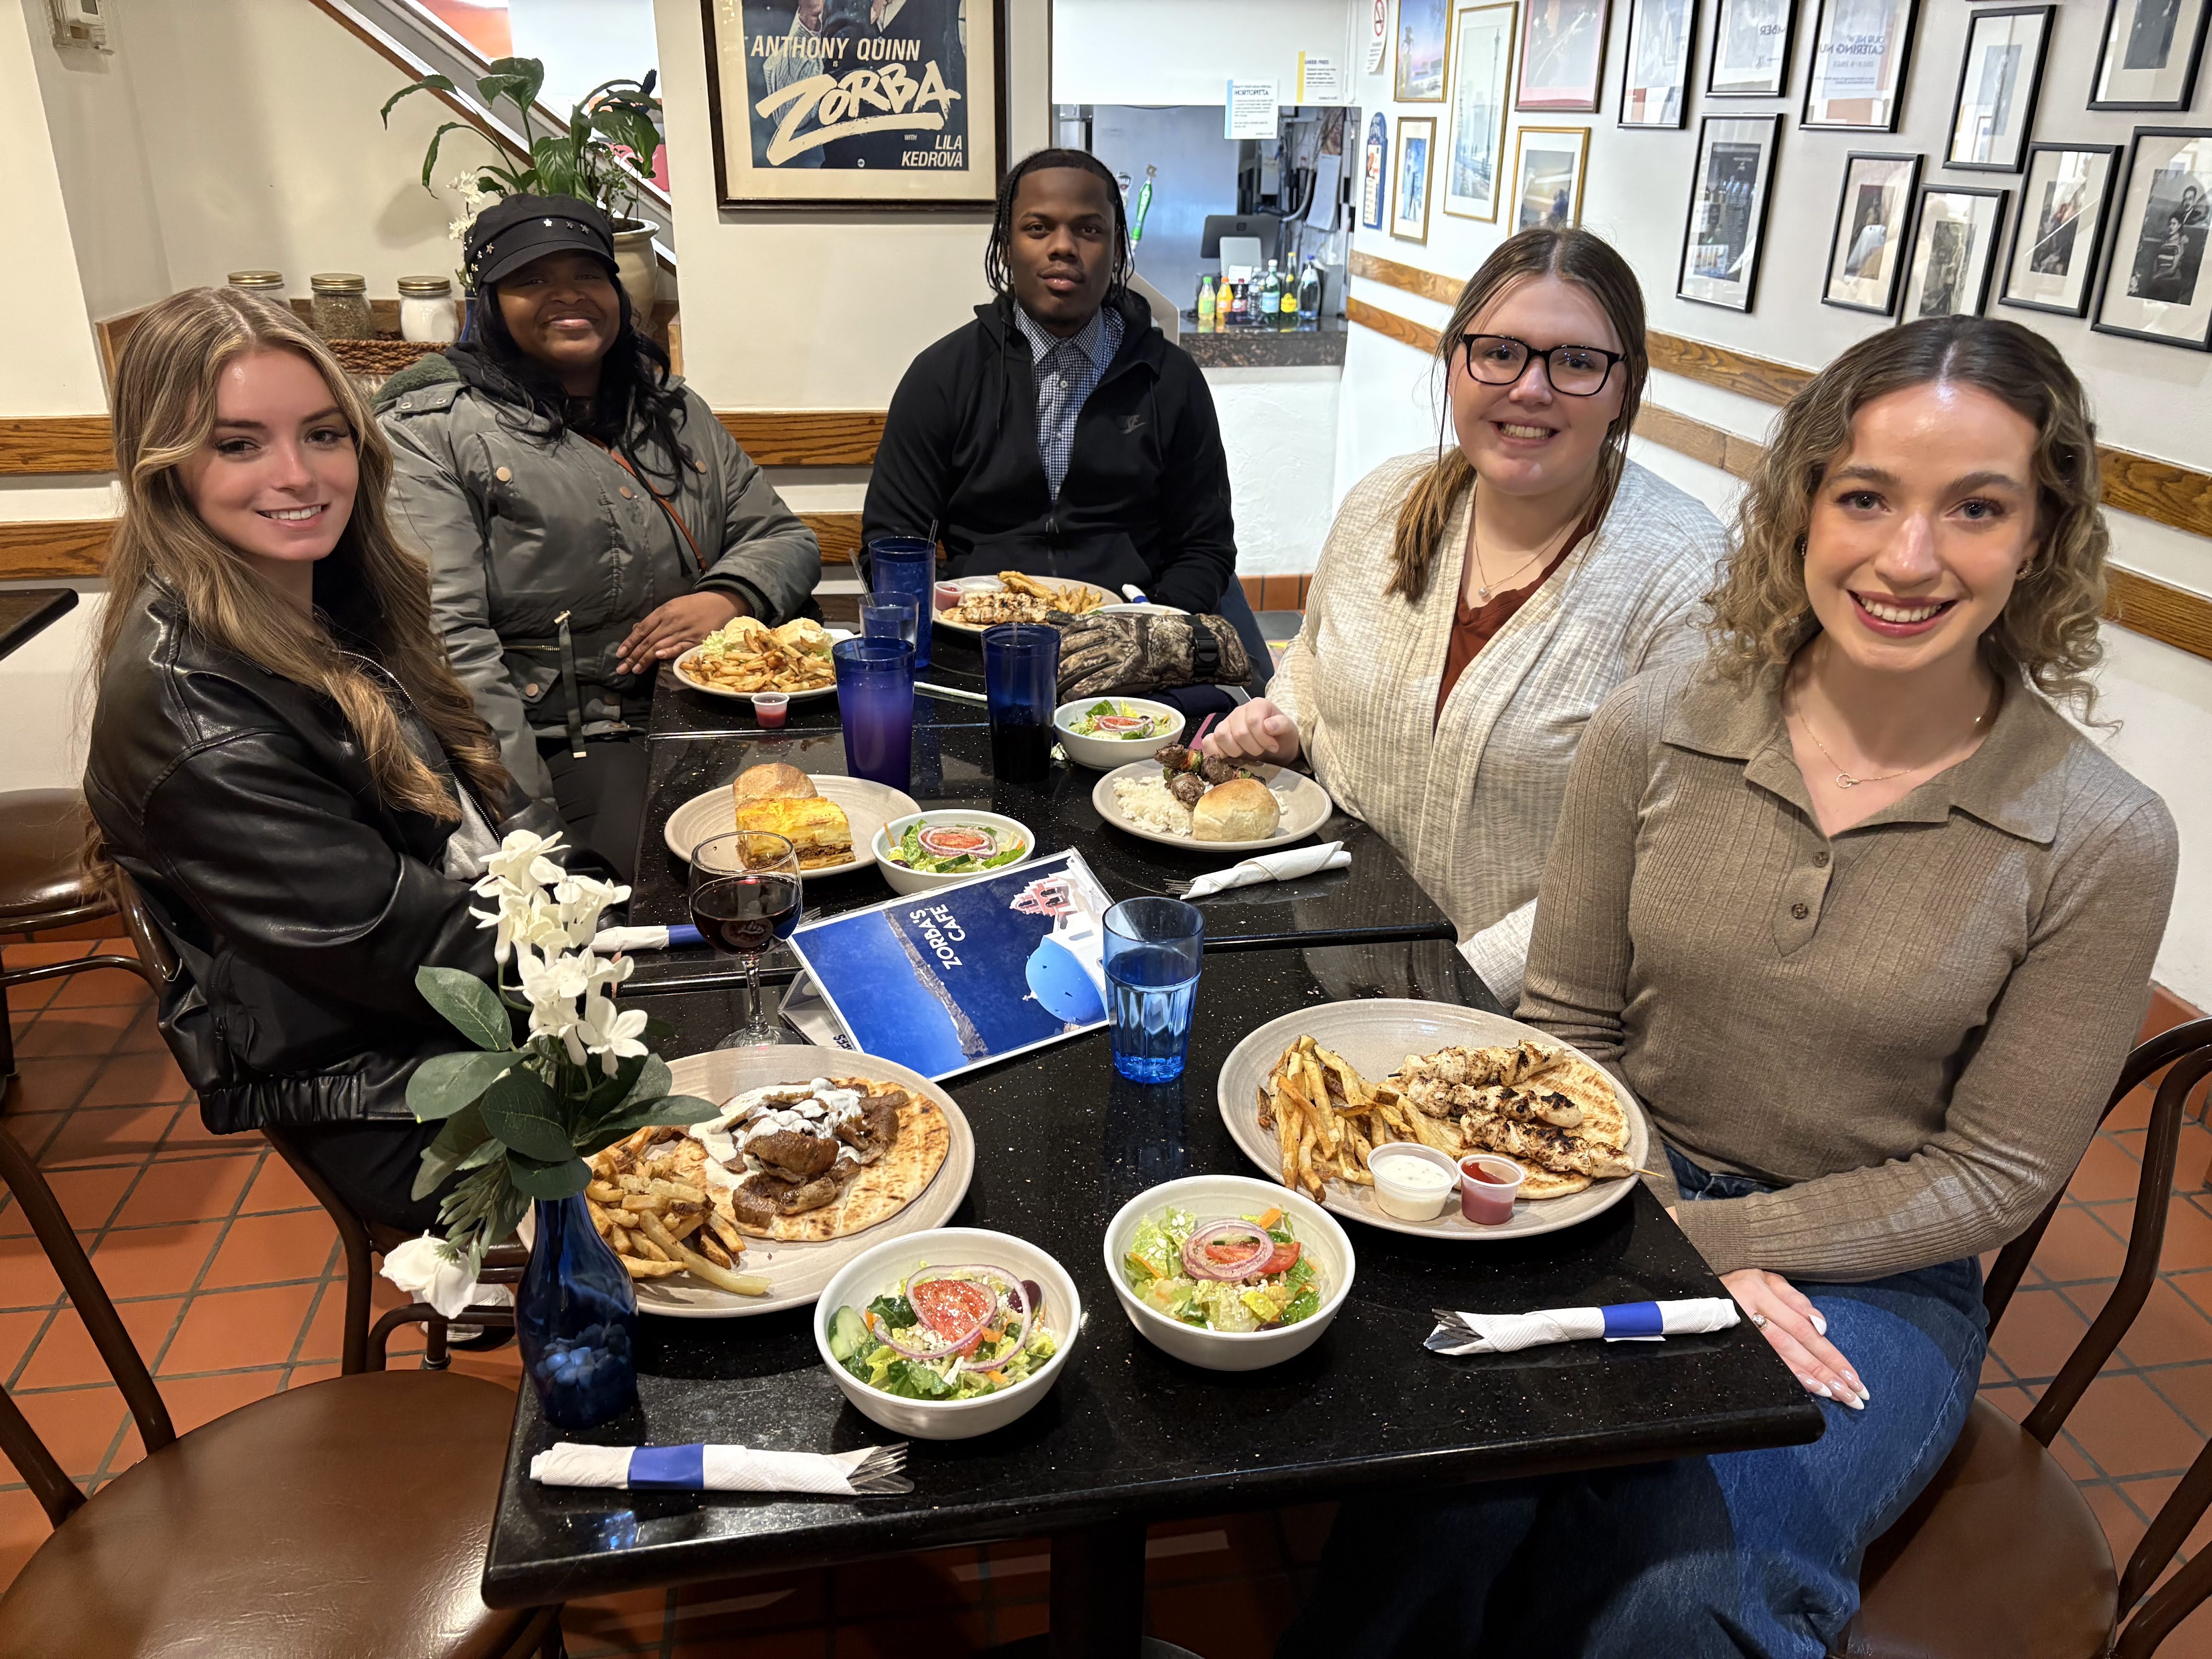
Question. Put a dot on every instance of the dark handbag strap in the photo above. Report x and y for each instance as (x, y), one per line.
(674, 517)
(1205, 653)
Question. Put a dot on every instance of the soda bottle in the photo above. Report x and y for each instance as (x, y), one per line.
(1240, 297)
(1206, 305)
(1310, 284)
(1271, 298)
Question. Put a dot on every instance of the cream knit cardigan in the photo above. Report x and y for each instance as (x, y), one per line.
(1470, 801)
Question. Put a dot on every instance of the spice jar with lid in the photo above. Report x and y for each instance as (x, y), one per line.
(426, 309)
(261, 284)
(339, 308)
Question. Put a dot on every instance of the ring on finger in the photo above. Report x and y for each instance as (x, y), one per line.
(1758, 1322)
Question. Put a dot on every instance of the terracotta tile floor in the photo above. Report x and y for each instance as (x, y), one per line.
(227, 1275)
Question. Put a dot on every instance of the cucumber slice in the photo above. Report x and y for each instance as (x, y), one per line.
(846, 1334)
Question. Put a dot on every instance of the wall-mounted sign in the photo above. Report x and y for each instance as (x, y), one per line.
(1378, 34)
(1248, 110)
(1378, 165)
(1320, 81)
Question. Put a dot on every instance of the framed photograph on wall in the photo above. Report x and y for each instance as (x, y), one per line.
(1549, 165)
(1562, 54)
(1423, 50)
(2148, 56)
(1728, 210)
(1482, 57)
(2156, 285)
(791, 131)
(1655, 81)
(1375, 172)
(1751, 49)
(1861, 50)
(2063, 206)
(1416, 160)
(1954, 241)
(1995, 111)
(1867, 250)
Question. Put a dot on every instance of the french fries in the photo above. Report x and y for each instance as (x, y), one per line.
(1076, 600)
(648, 1217)
(1329, 1120)
(747, 656)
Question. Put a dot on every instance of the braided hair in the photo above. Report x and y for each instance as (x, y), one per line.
(1002, 225)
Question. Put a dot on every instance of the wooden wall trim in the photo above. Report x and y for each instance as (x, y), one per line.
(1718, 366)
(1410, 279)
(48, 548)
(839, 533)
(1405, 330)
(53, 444)
(806, 437)
(2143, 605)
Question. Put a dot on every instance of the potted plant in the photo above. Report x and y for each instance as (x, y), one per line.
(583, 159)
(521, 1119)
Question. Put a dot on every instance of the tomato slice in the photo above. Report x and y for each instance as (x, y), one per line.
(949, 840)
(1285, 1258)
(949, 1306)
(1226, 1253)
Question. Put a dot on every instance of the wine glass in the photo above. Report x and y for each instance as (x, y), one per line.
(745, 895)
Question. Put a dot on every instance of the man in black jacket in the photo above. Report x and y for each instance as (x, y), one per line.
(1060, 433)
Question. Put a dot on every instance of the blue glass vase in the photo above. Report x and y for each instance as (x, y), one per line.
(575, 1317)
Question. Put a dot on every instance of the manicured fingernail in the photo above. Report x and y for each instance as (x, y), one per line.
(1866, 1398)
(1821, 1388)
(1852, 1378)
(1819, 1323)
(1854, 1402)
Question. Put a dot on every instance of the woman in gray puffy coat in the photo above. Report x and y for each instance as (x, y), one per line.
(585, 515)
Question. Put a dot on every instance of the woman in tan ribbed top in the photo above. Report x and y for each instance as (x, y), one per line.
(1867, 927)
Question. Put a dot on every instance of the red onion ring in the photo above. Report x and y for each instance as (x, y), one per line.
(1194, 1251)
(1007, 1291)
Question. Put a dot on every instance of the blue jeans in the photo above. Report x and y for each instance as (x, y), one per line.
(1746, 1553)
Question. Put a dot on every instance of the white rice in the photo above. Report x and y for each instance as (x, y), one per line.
(1146, 801)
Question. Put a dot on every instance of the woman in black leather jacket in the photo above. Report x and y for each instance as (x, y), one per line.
(282, 760)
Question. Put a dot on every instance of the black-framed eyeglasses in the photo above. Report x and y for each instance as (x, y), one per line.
(1578, 371)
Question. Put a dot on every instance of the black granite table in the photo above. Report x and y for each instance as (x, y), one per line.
(1127, 1434)
(1377, 900)
(27, 612)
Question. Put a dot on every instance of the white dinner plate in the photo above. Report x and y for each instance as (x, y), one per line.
(1374, 1034)
(1305, 806)
(992, 585)
(713, 690)
(869, 807)
(796, 1273)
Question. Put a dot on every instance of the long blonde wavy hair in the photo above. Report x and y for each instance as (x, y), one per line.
(1568, 254)
(2047, 632)
(370, 589)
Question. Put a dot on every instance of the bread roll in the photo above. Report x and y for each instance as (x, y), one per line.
(775, 781)
(1243, 809)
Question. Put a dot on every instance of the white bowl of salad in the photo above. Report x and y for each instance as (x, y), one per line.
(935, 849)
(1228, 1273)
(1104, 732)
(950, 1333)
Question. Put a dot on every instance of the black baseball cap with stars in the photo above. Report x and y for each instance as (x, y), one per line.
(516, 229)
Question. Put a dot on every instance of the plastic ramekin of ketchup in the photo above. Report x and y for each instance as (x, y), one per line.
(1487, 1187)
(771, 708)
(945, 596)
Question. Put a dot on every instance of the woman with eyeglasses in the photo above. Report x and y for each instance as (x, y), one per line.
(1474, 607)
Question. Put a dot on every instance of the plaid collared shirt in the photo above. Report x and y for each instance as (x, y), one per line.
(1067, 372)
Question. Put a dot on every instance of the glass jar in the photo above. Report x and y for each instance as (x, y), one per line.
(339, 309)
(426, 309)
(261, 284)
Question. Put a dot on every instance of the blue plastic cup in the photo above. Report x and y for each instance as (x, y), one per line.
(875, 707)
(908, 564)
(1021, 684)
(890, 617)
(1154, 948)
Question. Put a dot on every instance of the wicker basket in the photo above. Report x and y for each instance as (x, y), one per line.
(374, 359)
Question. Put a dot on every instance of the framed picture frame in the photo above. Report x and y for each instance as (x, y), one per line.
(1866, 255)
(1751, 49)
(1999, 75)
(2148, 56)
(1482, 60)
(1655, 71)
(2065, 202)
(788, 135)
(1954, 240)
(1862, 50)
(1563, 55)
(1415, 161)
(1549, 164)
(1728, 197)
(2155, 286)
(1423, 71)
(1374, 173)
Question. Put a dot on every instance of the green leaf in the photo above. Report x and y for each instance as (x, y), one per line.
(443, 1084)
(538, 1178)
(430, 157)
(657, 1031)
(463, 1133)
(521, 1111)
(673, 1111)
(651, 1082)
(427, 83)
(473, 1006)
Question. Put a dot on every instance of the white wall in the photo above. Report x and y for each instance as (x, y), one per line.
(51, 366)
(1278, 430)
(1181, 51)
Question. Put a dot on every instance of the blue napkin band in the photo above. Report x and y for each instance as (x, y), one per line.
(680, 1466)
(1630, 1319)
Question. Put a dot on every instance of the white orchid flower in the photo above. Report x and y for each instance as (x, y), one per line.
(610, 1033)
(521, 859)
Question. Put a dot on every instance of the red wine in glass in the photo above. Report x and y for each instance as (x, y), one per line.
(745, 894)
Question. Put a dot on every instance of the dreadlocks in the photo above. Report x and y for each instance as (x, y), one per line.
(1002, 225)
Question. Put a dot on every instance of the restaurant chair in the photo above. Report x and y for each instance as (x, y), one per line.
(2002, 1556)
(44, 886)
(340, 1518)
(363, 1347)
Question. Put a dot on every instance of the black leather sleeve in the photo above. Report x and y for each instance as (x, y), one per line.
(276, 860)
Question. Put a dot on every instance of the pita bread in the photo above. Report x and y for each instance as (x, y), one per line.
(1557, 1072)
(880, 1191)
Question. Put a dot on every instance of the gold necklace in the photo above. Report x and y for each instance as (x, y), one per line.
(1484, 585)
(1845, 780)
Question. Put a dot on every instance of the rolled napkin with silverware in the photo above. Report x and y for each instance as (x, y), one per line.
(1271, 866)
(872, 1471)
(1622, 1322)
(676, 936)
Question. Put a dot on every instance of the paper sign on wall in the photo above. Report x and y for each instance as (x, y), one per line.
(1320, 81)
(1378, 35)
(1248, 112)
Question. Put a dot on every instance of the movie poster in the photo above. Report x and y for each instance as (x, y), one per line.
(858, 103)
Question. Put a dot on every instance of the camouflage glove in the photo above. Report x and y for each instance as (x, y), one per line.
(1144, 651)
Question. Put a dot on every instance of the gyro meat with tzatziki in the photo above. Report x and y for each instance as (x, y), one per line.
(790, 1148)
